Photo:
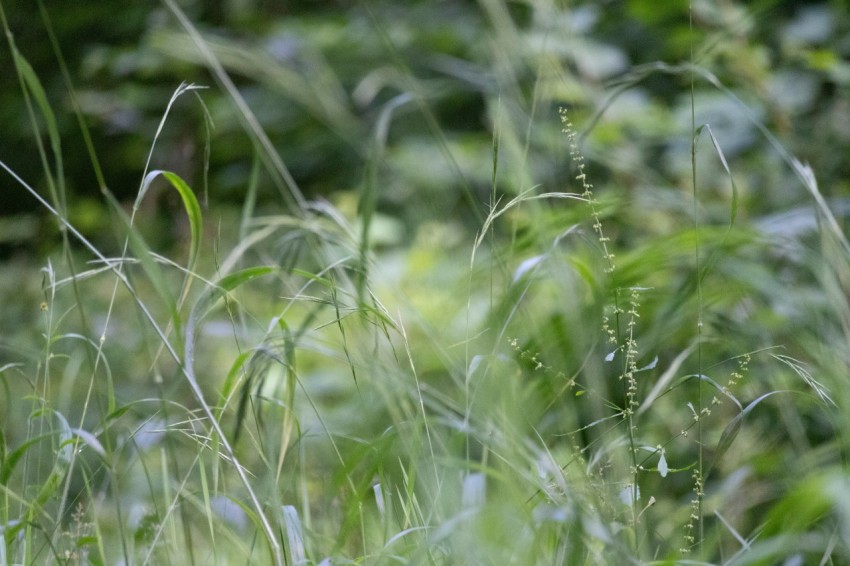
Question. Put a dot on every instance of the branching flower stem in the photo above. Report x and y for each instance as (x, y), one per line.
(627, 347)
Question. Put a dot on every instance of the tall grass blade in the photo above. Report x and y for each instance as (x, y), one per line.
(37, 91)
(190, 204)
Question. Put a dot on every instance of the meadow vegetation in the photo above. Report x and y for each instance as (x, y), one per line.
(523, 297)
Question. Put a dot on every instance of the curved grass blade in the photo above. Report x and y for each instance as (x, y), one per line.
(29, 77)
(145, 255)
(190, 203)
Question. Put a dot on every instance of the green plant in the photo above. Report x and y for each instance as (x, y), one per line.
(610, 374)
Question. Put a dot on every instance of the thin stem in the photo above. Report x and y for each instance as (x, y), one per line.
(699, 478)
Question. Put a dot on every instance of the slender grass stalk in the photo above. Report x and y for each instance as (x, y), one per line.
(699, 474)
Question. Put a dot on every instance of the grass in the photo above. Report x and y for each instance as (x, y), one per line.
(570, 384)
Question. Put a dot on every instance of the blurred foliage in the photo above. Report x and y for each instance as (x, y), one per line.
(318, 75)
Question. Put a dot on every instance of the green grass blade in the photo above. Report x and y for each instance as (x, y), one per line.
(34, 86)
(12, 458)
(734, 205)
(190, 204)
(225, 285)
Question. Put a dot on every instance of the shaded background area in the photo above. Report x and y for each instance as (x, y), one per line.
(318, 74)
